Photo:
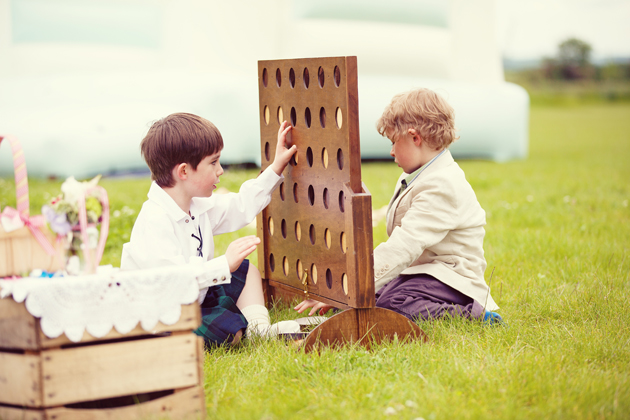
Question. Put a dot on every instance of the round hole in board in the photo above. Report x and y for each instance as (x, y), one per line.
(298, 231)
(306, 77)
(292, 78)
(280, 115)
(265, 77)
(295, 192)
(283, 228)
(270, 226)
(278, 77)
(285, 266)
(326, 197)
(327, 239)
(322, 117)
(311, 234)
(267, 151)
(294, 159)
(266, 115)
(342, 201)
(325, 157)
(337, 76)
(281, 190)
(293, 117)
(307, 117)
(311, 195)
(344, 283)
(299, 270)
(272, 262)
(314, 273)
(340, 159)
(339, 117)
(309, 156)
(344, 243)
(320, 77)
(329, 278)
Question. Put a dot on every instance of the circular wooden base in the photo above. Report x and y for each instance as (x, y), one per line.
(365, 326)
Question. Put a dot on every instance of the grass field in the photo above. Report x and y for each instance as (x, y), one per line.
(558, 252)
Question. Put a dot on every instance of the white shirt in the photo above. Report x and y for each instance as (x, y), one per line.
(162, 233)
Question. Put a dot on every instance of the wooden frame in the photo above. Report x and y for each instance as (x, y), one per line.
(44, 378)
(316, 233)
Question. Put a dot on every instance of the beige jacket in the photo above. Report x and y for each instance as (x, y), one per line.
(435, 226)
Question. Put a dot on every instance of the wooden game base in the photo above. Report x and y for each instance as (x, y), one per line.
(365, 326)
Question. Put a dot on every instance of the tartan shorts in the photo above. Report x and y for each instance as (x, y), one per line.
(220, 318)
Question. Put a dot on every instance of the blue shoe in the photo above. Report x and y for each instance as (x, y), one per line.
(492, 318)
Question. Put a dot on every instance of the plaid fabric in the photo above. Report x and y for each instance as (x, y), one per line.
(220, 318)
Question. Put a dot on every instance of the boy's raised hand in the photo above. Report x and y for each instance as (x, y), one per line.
(283, 154)
(239, 249)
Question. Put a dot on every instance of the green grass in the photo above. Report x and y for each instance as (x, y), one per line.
(558, 252)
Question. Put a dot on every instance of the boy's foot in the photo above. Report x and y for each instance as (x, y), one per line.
(283, 327)
(492, 318)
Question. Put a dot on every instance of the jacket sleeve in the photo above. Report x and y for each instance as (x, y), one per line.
(431, 214)
(233, 211)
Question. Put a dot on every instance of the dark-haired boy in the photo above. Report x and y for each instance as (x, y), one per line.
(178, 221)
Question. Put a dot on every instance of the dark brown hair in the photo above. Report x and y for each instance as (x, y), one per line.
(178, 138)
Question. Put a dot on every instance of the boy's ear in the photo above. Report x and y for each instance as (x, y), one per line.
(417, 139)
(181, 171)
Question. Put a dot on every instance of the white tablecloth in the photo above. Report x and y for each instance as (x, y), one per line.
(100, 302)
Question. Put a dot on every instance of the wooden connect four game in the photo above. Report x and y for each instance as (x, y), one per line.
(317, 230)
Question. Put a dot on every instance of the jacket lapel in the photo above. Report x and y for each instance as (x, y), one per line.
(440, 163)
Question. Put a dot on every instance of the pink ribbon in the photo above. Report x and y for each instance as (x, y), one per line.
(104, 228)
(34, 224)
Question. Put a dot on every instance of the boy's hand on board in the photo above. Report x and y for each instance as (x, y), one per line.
(239, 249)
(283, 154)
(315, 305)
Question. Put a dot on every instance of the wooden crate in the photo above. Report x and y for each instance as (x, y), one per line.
(43, 378)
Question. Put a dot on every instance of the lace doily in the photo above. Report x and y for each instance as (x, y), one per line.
(100, 302)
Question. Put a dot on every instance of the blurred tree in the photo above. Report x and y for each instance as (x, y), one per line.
(574, 52)
(573, 61)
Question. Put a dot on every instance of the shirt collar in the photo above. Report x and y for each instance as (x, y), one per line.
(162, 199)
(412, 177)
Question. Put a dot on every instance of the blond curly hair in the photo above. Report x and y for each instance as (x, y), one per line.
(423, 110)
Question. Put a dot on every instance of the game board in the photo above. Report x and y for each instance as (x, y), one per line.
(317, 231)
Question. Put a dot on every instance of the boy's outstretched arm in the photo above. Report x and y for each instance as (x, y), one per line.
(283, 154)
(315, 305)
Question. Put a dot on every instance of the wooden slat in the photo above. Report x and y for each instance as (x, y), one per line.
(112, 370)
(14, 413)
(18, 328)
(190, 319)
(20, 381)
(185, 404)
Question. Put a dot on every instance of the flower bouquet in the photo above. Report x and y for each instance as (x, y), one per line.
(75, 214)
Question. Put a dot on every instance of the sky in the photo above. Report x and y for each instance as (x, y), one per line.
(532, 29)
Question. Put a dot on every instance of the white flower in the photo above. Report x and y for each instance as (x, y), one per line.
(73, 190)
(390, 411)
(92, 234)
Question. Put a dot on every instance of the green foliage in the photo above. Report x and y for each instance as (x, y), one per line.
(558, 252)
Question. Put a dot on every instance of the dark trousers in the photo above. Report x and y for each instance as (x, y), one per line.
(425, 297)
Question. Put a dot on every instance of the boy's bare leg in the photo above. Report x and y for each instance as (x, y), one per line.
(252, 293)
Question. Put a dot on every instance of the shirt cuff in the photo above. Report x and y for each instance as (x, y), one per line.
(217, 271)
(270, 175)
